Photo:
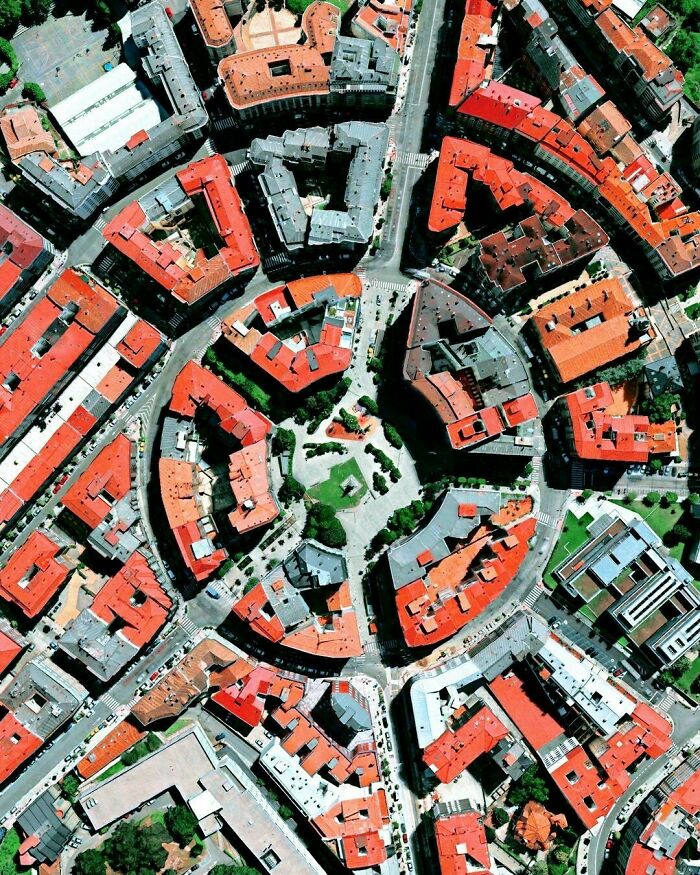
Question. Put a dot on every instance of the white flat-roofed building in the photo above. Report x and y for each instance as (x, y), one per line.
(105, 114)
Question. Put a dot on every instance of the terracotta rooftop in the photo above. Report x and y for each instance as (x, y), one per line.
(385, 21)
(105, 481)
(284, 72)
(590, 328)
(33, 575)
(23, 133)
(189, 278)
(300, 362)
(456, 749)
(600, 436)
(461, 844)
(213, 22)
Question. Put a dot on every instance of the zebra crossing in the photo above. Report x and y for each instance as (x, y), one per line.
(387, 286)
(413, 159)
(547, 519)
(110, 702)
(375, 647)
(99, 223)
(187, 625)
(531, 598)
(536, 470)
(214, 322)
(664, 702)
(241, 167)
(209, 146)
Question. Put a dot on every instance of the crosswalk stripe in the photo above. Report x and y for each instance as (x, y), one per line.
(99, 223)
(109, 701)
(547, 519)
(188, 626)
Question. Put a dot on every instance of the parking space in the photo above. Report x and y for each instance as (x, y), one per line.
(63, 54)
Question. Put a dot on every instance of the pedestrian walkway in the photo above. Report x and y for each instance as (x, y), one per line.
(209, 146)
(187, 625)
(387, 286)
(413, 159)
(536, 470)
(241, 167)
(99, 223)
(110, 702)
(375, 646)
(547, 519)
(531, 598)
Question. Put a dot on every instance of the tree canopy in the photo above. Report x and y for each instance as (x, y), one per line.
(181, 824)
(90, 862)
(529, 786)
(324, 526)
(139, 851)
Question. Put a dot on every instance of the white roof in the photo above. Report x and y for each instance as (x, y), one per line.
(629, 8)
(204, 804)
(311, 793)
(588, 684)
(105, 114)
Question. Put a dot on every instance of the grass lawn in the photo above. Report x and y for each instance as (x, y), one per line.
(331, 492)
(687, 678)
(573, 535)
(112, 771)
(585, 611)
(176, 727)
(660, 520)
(298, 6)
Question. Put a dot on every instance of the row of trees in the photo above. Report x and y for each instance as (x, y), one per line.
(28, 12)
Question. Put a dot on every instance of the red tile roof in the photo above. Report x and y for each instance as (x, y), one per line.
(134, 597)
(676, 241)
(461, 844)
(553, 236)
(10, 648)
(474, 49)
(23, 133)
(284, 72)
(197, 387)
(245, 699)
(385, 21)
(20, 246)
(213, 22)
(590, 328)
(17, 744)
(120, 739)
(458, 588)
(600, 436)
(189, 278)
(139, 343)
(298, 367)
(33, 575)
(106, 480)
(456, 749)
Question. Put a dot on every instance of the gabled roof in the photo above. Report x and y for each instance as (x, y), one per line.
(33, 574)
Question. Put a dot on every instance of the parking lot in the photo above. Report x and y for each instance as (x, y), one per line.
(62, 55)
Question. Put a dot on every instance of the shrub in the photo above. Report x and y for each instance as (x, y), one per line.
(291, 490)
(379, 483)
(350, 422)
(652, 499)
(323, 526)
(392, 435)
(499, 816)
(33, 91)
(369, 405)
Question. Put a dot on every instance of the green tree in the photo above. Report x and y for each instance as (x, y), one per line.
(90, 862)
(585, 495)
(392, 435)
(652, 499)
(529, 786)
(283, 441)
(539, 867)
(669, 498)
(122, 849)
(70, 786)
(369, 405)
(323, 526)
(499, 816)
(351, 423)
(656, 465)
(35, 11)
(291, 490)
(181, 824)
(694, 498)
(221, 869)
(129, 757)
(10, 11)
(661, 408)
(285, 812)
(32, 91)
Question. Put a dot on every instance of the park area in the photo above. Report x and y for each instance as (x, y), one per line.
(344, 488)
(573, 535)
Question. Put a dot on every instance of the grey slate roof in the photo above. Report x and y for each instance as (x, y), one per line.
(40, 819)
(88, 640)
(312, 565)
(43, 697)
(363, 65)
(447, 523)
(663, 375)
(365, 142)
